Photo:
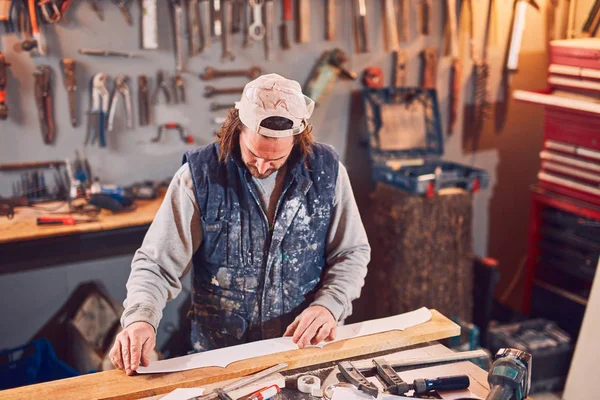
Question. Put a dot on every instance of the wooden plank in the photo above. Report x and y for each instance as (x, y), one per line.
(23, 226)
(115, 385)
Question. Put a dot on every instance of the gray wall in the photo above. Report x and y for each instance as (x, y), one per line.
(29, 299)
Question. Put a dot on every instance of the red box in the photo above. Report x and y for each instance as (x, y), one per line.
(583, 53)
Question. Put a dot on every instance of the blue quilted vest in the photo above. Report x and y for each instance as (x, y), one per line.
(250, 280)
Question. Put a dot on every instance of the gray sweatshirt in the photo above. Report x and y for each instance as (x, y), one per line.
(176, 233)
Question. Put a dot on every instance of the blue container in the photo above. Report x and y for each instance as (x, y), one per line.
(406, 142)
(35, 362)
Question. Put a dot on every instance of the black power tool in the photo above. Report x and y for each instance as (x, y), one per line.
(510, 375)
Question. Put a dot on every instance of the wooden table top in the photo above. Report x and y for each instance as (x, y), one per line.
(24, 225)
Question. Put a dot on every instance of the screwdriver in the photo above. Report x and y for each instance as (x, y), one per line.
(442, 384)
(63, 220)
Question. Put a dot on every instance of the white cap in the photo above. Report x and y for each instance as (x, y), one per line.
(273, 95)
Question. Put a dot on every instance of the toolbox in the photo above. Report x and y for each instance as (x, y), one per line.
(581, 53)
(406, 142)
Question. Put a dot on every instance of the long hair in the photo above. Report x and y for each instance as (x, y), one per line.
(229, 137)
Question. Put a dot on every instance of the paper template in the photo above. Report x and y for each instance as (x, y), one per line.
(225, 356)
(183, 394)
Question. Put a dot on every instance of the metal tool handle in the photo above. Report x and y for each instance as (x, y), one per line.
(256, 31)
(205, 28)
(227, 23)
(360, 21)
(177, 9)
(330, 19)
(303, 21)
(269, 26)
(517, 35)
(193, 27)
(442, 384)
(390, 25)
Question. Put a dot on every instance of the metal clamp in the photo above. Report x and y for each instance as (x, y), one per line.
(187, 139)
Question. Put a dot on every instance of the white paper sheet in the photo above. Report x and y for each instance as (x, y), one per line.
(183, 394)
(225, 356)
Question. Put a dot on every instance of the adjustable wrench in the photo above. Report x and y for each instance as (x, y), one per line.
(303, 21)
(121, 87)
(269, 23)
(193, 27)
(256, 31)
(210, 91)
(177, 18)
(227, 26)
(69, 68)
(212, 73)
(205, 26)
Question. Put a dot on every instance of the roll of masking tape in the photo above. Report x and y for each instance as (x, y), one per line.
(309, 383)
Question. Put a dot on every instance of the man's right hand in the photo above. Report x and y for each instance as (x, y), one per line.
(133, 346)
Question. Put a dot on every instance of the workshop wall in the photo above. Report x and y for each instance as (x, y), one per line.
(506, 150)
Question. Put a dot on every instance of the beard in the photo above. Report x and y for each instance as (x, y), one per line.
(254, 171)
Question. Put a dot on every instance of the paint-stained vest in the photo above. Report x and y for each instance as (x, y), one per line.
(251, 280)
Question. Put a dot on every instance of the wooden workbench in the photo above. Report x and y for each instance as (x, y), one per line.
(115, 385)
(25, 245)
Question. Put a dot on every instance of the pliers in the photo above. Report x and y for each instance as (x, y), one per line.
(100, 99)
(161, 84)
(121, 87)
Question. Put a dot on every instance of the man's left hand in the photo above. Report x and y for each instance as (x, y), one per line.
(314, 325)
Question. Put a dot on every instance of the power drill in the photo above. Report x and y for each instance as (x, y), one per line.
(510, 375)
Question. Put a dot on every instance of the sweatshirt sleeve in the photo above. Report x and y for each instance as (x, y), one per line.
(348, 253)
(165, 255)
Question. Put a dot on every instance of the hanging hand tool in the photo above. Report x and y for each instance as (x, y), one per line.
(518, 27)
(236, 21)
(328, 68)
(69, 69)
(64, 220)
(303, 24)
(426, 17)
(592, 23)
(360, 26)
(217, 25)
(38, 36)
(96, 9)
(122, 88)
(161, 85)
(227, 30)
(98, 112)
(330, 19)
(213, 73)
(193, 27)
(18, 17)
(187, 139)
(43, 99)
(256, 31)
(373, 78)
(429, 68)
(107, 53)
(246, 17)
(404, 28)
(124, 8)
(205, 25)
(285, 27)
(457, 67)
(178, 89)
(390, 25)
(481, 73)
(177, 24)
(50, 11)
(143, 100)
(399, 74)
(210, 91)
(3, 83)
(218, 106)
(149, 25)
(269, 28)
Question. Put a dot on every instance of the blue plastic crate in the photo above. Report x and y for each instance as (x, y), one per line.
(35, 362)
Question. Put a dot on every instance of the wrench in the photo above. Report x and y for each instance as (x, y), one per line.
(210, 91)
(257, 29)
(212, 73)
(226, 19)
(217, 106)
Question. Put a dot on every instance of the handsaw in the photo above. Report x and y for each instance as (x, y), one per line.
(456, 72)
